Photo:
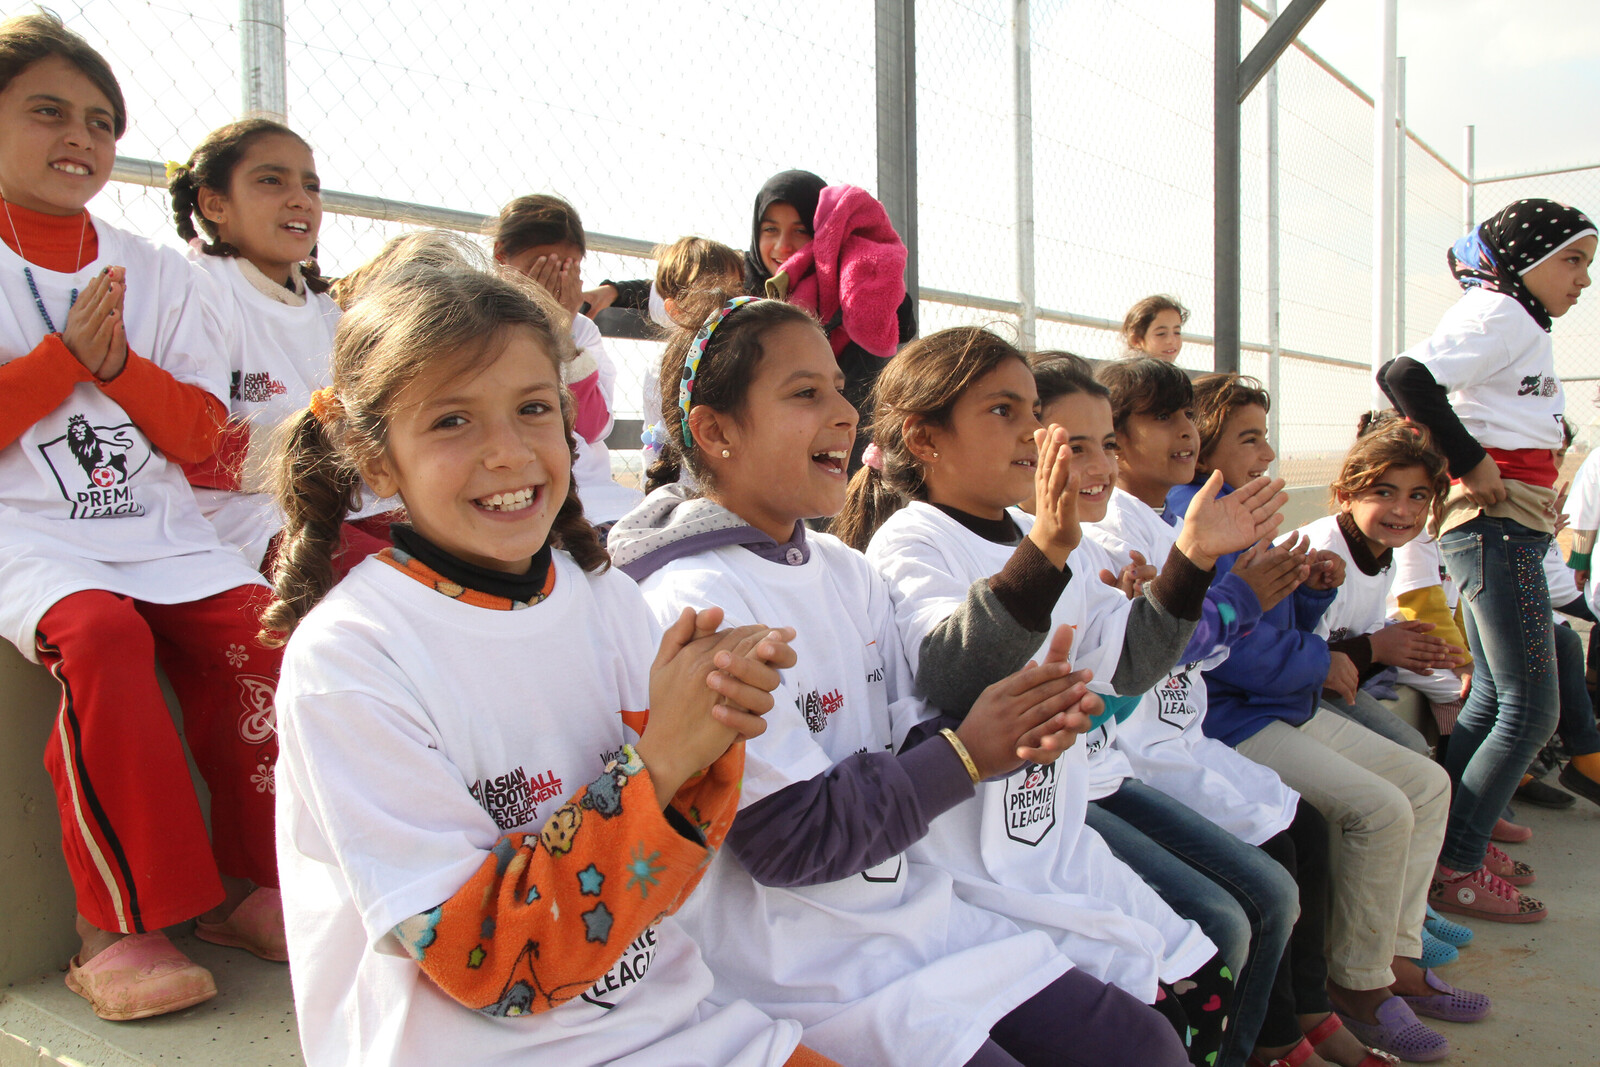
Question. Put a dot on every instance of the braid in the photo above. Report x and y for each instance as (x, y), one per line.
(315, 488)
(312, 275)
(185, 194)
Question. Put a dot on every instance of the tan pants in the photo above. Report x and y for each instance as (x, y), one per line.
(1386, 809)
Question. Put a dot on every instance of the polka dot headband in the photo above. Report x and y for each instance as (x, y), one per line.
(697, 351)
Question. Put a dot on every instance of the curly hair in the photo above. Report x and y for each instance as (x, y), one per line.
(1387, 440)
(420, 318)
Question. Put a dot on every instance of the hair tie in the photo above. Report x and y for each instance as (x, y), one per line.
(174, 168)
(697, 351)
(873, 457)
(325, 404)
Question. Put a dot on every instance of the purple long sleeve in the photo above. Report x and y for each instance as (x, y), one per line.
(866, 809)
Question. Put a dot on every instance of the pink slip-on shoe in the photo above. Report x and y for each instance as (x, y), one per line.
(1503, 866)
(140, 976)
(1509, 833)
(256, 926)
(1482, 894)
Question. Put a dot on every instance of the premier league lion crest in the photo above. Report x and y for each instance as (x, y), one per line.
(93, 466)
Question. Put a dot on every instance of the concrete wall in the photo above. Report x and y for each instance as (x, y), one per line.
(36, 902)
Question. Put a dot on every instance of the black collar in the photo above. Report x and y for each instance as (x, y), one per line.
(523, 588)
(1360, 552)
(1002, 531)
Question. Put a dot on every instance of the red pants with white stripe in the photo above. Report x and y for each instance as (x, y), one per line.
(131, 825)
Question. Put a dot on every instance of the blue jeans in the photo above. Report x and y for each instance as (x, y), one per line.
(1498, 565)
(1369, 712)
(1241, 897)
(1577, 726)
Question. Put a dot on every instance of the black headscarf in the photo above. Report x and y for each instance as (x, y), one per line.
(1512, 242)
(799, 188)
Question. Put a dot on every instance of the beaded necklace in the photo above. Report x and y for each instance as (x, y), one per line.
(27, 271)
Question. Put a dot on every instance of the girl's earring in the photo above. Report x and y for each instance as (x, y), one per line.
(726, 454)
(936, 455)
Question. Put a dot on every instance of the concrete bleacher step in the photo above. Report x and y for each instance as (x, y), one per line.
(249, 1023)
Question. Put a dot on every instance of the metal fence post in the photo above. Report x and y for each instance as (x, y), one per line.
(1400, 208)
(263, 66)
(1274, 292)
(1469, 190)
(1225, 186)
(1022, 86)
(1383, 111)
(896, 32)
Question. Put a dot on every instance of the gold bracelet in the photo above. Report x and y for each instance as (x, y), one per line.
(961, 750)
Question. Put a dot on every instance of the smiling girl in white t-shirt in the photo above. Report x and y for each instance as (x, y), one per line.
(491, 801)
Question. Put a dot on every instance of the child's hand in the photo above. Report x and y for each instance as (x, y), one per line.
(1273, 571)
(1131, 578)
(560, 279)
(94, 331)
(1055, 492)
(1327, 570)
(1343, 679)
(598, 299)
(1410, 645)
(1213, 527)
(1028, 712)
(1465, 674)
(745, 676)
(684, 734)
(1483, 483)
(1557, 510)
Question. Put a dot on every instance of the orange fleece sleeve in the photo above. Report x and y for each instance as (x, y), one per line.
(183, 421)
(36, 384)
(549, 914)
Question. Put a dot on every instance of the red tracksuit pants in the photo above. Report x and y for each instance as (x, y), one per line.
(131, 826)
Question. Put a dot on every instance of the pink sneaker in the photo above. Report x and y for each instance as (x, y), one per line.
(1482, 895)
(140, 976)
(1504, 867)
(256, 925)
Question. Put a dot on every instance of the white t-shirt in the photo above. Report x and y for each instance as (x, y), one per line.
(925, 593)
(1361, 605)
(86, 502)
(604, 498)
(1583, 510)
(885, 967)
(1163, 737)
(1499, 368)
(1020, 847)
(277, 354)
(397, 705)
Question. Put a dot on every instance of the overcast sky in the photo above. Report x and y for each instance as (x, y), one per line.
(1526, 72)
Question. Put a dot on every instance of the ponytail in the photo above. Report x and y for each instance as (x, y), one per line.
(211, 166)
(918, 387)
(868, 503)
(315, 489)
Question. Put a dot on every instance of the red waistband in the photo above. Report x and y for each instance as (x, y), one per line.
(1535, 466)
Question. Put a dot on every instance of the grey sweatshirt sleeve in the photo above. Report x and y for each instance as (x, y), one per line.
(1160, 624)
(998, 629)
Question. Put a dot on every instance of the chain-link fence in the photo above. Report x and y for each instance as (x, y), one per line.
(659, 120)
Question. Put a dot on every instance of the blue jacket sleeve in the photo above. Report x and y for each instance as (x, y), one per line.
(1310, 605)
(1231, 610)
(1276, 658)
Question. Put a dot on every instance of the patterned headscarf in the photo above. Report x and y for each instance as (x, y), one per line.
(1520, 237)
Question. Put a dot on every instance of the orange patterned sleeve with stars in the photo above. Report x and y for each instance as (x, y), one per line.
(549, 914)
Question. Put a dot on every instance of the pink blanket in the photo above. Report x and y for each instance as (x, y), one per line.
(856, 263)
